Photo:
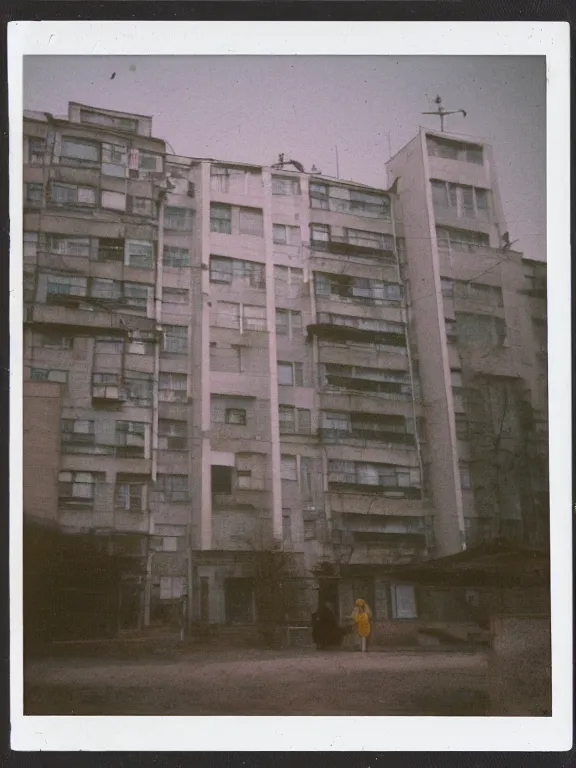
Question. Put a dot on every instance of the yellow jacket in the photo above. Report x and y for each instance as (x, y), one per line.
(362, 616)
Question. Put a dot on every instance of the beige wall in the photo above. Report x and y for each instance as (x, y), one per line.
(42, 410)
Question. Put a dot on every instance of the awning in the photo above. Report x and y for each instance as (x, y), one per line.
(497, 563)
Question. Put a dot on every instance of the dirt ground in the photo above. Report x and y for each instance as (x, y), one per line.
(262, 683)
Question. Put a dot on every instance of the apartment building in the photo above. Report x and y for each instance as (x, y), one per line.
(249, 354)
(478, 313)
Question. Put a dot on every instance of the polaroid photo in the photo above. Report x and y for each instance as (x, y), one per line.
(290, 432)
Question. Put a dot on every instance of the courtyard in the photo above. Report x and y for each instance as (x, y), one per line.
(258, 682)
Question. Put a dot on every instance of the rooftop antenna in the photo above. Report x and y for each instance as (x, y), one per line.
(441, 112)
(337, 163)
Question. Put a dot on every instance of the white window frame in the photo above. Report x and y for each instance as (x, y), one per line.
(148, 256)
(176, 255)
(286, 234)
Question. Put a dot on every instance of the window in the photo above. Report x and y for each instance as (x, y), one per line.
(320, 233)
(142, 206)
(490, 295)
(226, 358)
(288, 468)
(290, 374)
(171, 587)
(175, 339)
(286, 235)
(403, 601)
(129, 497)
(221, 479)
(74, 152)
(366, 239)
(226, 314)
(34, 193)
(108, 346)
(170, 543)
(176, 257)
(288, 322)
(461, 240)
(244, 479)
(54, 341)
(456, 378)
(235, 416)
(72, 194)
(447, 287)
(68, 246)
(36, 150)
(30, 245)
(364, 473)
(114, 155)
(454, 150)
(451, 330)
(140, 253)
(172, 489)
(294, 420)
(221, 218)
(480, 329)
(173, 387)
(58, 285)
(178, 218)
(148, 162)
(286, 527)
(175, 295)
(226, 180)
(463, 200)
(105, 385)
(288, 281)
(47, 374)
(285, 186)
(462, 427)
(79, 431)
(172, 435)
(349, 200)
(101, 288)
(251, 222)
(465, 482)
(131, 438)
(253, 318)
(235, 271)
(76, 486)
(135, 294)
(138, 388)
(111, 121)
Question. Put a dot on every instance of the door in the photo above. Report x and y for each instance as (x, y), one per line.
(238, 601)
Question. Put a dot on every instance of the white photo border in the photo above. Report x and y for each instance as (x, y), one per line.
(550, 39)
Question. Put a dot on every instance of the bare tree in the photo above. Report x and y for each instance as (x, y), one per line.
(277, 583)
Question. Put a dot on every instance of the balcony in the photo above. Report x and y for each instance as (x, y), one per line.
(396, 440)
(241, 497)
(352, 481)
(340, 245)
(109, 394)
(341, 327)
(79, 311)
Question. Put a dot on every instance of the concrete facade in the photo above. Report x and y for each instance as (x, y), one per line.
(254, 354)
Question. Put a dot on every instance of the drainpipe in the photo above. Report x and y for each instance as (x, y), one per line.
(156, 375)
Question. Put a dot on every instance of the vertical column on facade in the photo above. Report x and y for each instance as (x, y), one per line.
(275, 479)
(204, 359)
(451, 531)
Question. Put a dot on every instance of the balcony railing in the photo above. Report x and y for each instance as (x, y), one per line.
(387, 389)
(342, 245)
(397, 439)
(351, 479)
(335, 331)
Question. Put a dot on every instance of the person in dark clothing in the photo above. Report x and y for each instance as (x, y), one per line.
(326, 632)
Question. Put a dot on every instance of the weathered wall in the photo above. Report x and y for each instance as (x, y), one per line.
(520, 666)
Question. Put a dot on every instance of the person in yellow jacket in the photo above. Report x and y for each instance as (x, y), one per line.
(362, 616)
